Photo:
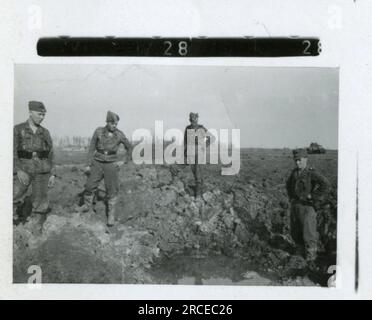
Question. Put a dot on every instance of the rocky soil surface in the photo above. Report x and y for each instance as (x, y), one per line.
(245, 217)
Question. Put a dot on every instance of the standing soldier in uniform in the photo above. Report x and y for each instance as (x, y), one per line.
(103, 164)
(307, 190)
(33, 160)
(196, 138)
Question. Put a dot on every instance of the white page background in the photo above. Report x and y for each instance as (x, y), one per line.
(344, 28)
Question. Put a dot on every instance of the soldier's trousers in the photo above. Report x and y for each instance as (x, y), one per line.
(197, 166)
(304, 228)
(198, 171)
(39, 184)
(108, 171)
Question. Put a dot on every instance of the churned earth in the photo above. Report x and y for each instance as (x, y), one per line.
(237, 233)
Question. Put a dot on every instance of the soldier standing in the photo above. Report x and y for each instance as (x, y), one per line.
(103, 164)
(307, 190)
(196, 138)
(33, 160)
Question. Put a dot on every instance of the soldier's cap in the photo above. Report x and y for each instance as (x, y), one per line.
(194, 115)
(299, 153)
(112, 117)
(36, 106)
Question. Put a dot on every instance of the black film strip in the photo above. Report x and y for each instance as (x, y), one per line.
(198, 47)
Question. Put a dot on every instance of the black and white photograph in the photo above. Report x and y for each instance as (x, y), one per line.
(190, 150)
(175, 174)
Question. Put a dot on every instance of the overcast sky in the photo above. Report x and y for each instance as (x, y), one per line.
(273, 107)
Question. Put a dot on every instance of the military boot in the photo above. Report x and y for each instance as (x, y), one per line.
(198, 190)
(88, 203)
(111, 204)
(300, 250)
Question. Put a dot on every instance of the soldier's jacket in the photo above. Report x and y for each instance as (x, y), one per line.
(25, 141)
(190, 143)
(105, 144)
(308, 182)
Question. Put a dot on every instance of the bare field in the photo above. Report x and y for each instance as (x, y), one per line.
(237, 233)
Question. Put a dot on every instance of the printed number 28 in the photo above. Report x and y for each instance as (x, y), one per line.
(182, 48)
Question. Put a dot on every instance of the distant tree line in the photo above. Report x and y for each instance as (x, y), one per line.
(74, 141)
(83, 142)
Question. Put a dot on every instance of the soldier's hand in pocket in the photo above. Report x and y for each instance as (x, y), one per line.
(23, 177)
(51, 182)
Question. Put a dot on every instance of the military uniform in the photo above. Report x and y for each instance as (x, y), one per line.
(192, 149)
(307, 190)
(32, 154)
(103, 158)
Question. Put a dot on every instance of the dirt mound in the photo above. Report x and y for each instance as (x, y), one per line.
(79, 248)
(157, 218)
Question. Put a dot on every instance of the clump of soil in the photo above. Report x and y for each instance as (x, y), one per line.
(244, 216)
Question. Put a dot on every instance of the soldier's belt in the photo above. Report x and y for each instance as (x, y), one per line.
(23, 154)
(105, 152)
